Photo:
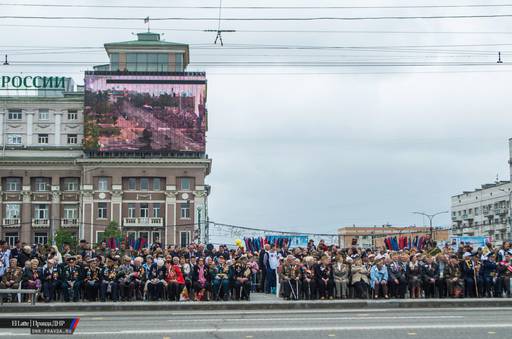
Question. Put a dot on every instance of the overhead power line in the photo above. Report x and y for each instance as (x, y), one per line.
(163, 29)
(254, 7)
(320, 18)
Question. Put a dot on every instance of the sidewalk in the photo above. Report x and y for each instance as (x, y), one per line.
(258, 302)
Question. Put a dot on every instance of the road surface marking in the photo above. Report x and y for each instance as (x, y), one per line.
(421, 317)
(491, 332)
(97, 318)
(411, 333)
(248, 336)
(331, 335)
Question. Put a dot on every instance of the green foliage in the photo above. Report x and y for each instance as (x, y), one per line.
(62, 236)
(112, 231)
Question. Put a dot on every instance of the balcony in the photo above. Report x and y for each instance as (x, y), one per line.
(143, 222)
(40, 223)
(11, 222)
(69, 222)
(501, 210)
(467, 217)
(500, 227)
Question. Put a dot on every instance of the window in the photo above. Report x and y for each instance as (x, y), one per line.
(144, 235)
(114, 62)
(185, 211)
(72, 139)
(12, 211)
(41, 238)
(144, 210)
(42, 138)
(41, 184)
(12, 238)
(156, 210)
(179, 62)
(14, 114)
(143, 62)
(185, 184)
(102, 210)
(71, 184)
(132, 184)
(184, 238)
(72, 114)
(100, 236)
(41, 211)
(131, 210)
(156, 237)
(144, 184)
(102, 184)
(14, 139)
(44, 114)
(156, 184)
(13, 184)
(70, 212)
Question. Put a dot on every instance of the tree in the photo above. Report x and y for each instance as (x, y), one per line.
(112, 231)
(63, 236)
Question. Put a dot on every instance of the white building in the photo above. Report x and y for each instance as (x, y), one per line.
(483, 212)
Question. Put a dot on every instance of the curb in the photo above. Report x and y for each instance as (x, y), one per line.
(256, 305)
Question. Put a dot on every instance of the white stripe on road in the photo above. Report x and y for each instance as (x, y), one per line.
(328, 319)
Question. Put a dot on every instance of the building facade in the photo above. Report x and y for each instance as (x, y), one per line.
(483, 212)
(51, 180)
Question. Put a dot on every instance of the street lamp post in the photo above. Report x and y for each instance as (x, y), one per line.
(199, 209)
(430, 218)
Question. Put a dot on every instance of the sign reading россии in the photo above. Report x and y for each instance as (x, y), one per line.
(17, 81)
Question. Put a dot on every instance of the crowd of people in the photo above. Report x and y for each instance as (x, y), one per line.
(206, 272)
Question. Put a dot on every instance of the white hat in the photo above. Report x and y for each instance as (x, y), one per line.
(467, 254)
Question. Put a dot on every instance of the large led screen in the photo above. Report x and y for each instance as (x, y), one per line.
(155, 113)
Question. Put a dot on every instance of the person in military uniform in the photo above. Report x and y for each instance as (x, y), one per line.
(92, 276)
(488, 273)
(397, 269)
(453, 277)
(221, 280)
(324, 278)
(156, 280)
(138, 278)
(429, 277)
(108, 284)
(468, 275)
(309, 291)
(242, 275)
(124, 280)
(50, 279)
(12, 277)
(71, 280)
(504, 272)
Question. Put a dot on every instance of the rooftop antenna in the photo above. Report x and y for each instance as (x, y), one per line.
(499, 58)
(6, 63)
(146, 21)
(218, 30)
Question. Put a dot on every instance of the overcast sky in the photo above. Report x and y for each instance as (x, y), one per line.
(293, 149)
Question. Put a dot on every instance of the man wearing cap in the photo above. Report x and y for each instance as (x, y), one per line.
(50, 279)
(488, 272)
(71, 279)
(123, 278)
(241, 275)
(108, 284)
(91, 280)
(12, 277)
(468, 275)
(429, 277)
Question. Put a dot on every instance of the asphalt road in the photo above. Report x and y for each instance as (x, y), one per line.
(382, 324)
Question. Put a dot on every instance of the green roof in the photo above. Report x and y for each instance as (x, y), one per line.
(145, 39)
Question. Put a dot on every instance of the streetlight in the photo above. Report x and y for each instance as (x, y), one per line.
(199, 233)
(430, 218)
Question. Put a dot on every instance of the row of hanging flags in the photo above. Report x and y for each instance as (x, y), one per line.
(136, 244)
(405, 242)
(291, 241)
